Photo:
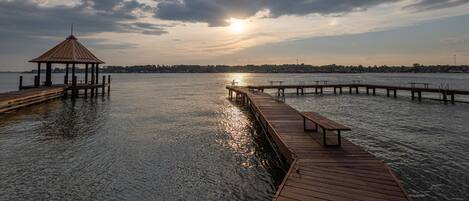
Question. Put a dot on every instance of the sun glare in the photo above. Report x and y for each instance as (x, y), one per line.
(237, 26)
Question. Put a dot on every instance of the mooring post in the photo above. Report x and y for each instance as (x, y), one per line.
(108, 84)
(20, 87)
(103, 85)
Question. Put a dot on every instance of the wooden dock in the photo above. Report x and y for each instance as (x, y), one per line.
(318, 172)
(30, 95)
(17, 99)
(415, 91)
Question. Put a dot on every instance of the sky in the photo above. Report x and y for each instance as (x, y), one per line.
(238, 32)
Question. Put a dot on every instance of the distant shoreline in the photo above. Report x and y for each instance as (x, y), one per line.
(284, 68)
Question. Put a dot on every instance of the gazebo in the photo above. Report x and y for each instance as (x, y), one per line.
(68, 52)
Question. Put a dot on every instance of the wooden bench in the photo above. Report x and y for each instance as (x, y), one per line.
(325, 124)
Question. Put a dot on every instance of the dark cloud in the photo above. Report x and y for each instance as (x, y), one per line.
(215, 12)
(28, 24)
(424, 5)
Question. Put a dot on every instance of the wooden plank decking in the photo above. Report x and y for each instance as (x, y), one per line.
(17, 99)
(318, 172)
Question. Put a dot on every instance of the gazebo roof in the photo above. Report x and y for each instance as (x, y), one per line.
(68, 51)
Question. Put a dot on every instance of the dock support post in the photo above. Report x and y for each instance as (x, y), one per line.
(316, 90)
(413, 94)
(108, 85)
(86, 80)
(302, 91)
(297, 91)
(38, 74)
(374, 91)
(93, 78)
(340, 90)
(387, 92)
(395, 93)
(367, 91)
(74, 85)
(452, 98)
(350, 90)
(420, 95)
(20, 87)
(335, 90)
(104, 85)
(66, 74)
(356, 90)
(322, 90)
(445, 97)
(48, 75)
(97, 78)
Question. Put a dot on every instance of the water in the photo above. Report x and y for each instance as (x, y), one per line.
(176, 137)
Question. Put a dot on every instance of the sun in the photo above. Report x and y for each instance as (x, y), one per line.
(237, 26)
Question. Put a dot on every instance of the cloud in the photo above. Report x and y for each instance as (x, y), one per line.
(424, 5)
(216, 12)
(28, 23)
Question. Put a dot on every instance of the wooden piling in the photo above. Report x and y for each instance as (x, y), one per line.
(103, 85)
(108, 85)
(74, 85)
(20, 87)
(374, 91)
(86, 80)
(420, 95)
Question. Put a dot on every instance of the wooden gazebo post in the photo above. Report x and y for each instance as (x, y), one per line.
(48, 82)
(66, 74)
(97, 76)
(92, 79)
(86, 79)
(37, 82)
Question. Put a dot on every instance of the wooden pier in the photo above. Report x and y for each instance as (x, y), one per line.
(318, 172)
(414, 90)
(14, 100)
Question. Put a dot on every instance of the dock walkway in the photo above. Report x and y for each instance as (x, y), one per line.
(10, 101)
(319, 172)
(447, 95)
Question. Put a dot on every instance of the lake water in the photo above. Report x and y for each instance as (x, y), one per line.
(177, 137)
